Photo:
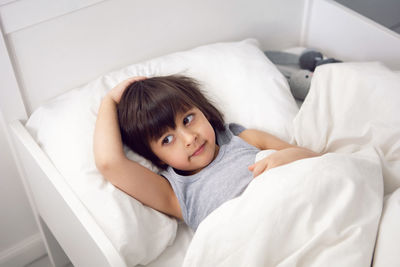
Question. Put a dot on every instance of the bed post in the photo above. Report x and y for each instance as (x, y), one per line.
(305, 22)
(11, 102)
(13, 109)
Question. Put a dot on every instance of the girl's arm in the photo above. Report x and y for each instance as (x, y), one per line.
(129, 176)
(286, 152)
(263, 140)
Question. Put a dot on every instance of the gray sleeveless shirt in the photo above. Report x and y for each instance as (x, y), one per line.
(223, 179)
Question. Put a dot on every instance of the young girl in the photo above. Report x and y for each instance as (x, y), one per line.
(204, 162)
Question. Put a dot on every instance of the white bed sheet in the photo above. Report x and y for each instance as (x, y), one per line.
(174, 254)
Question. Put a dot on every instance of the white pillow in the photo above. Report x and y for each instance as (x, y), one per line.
(243, 83)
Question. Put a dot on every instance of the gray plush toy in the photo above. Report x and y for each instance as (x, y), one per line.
(299, 83)
(298, 69)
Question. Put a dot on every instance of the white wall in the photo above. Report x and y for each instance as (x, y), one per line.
(20, 241)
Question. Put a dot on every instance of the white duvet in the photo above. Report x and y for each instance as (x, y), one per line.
(322, 211)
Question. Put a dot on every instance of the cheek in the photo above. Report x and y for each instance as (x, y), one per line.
(165, 155)
(158, 152)
(210, 133)
(162, 155)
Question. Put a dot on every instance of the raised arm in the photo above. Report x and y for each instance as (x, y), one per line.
(285, 154)
(129, 176)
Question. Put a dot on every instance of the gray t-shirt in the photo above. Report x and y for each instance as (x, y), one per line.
(223, 179)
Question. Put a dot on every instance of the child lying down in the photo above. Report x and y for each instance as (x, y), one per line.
(204, 162)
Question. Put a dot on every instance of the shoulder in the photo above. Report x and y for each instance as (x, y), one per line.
(235, 128)
(230, 130)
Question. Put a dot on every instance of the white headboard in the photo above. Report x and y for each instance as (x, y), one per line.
(50, 46)
(70, 49)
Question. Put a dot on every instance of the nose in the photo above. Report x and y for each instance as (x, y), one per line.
(188, 137)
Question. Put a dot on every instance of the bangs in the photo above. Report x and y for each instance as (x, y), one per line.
(160, 116)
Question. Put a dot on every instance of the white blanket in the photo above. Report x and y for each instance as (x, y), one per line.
(321, 211)
(314, 212)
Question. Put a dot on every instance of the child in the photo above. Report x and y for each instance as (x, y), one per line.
(204, 162)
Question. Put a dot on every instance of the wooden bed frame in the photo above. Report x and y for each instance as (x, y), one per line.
(57, 46)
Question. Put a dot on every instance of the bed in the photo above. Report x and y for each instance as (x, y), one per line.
(341, 209)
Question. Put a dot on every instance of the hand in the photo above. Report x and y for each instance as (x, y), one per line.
(118, 90)
(279, 158)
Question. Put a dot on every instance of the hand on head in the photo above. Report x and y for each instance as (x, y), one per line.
(119, 89)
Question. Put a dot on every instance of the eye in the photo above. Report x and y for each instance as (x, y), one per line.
(167, 140)
(188, 119)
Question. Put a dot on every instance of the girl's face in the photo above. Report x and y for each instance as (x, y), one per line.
(190, 146)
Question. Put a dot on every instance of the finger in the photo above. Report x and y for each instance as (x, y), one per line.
(256, 172)
(258, 169)
(251, 167)
(120, 88)
(138, 78)
(131, 80)
(268, 167)
(255, 167)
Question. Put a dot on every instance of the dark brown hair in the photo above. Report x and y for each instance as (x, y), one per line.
(148, 109)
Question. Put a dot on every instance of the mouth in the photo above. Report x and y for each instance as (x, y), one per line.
(198, 151)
